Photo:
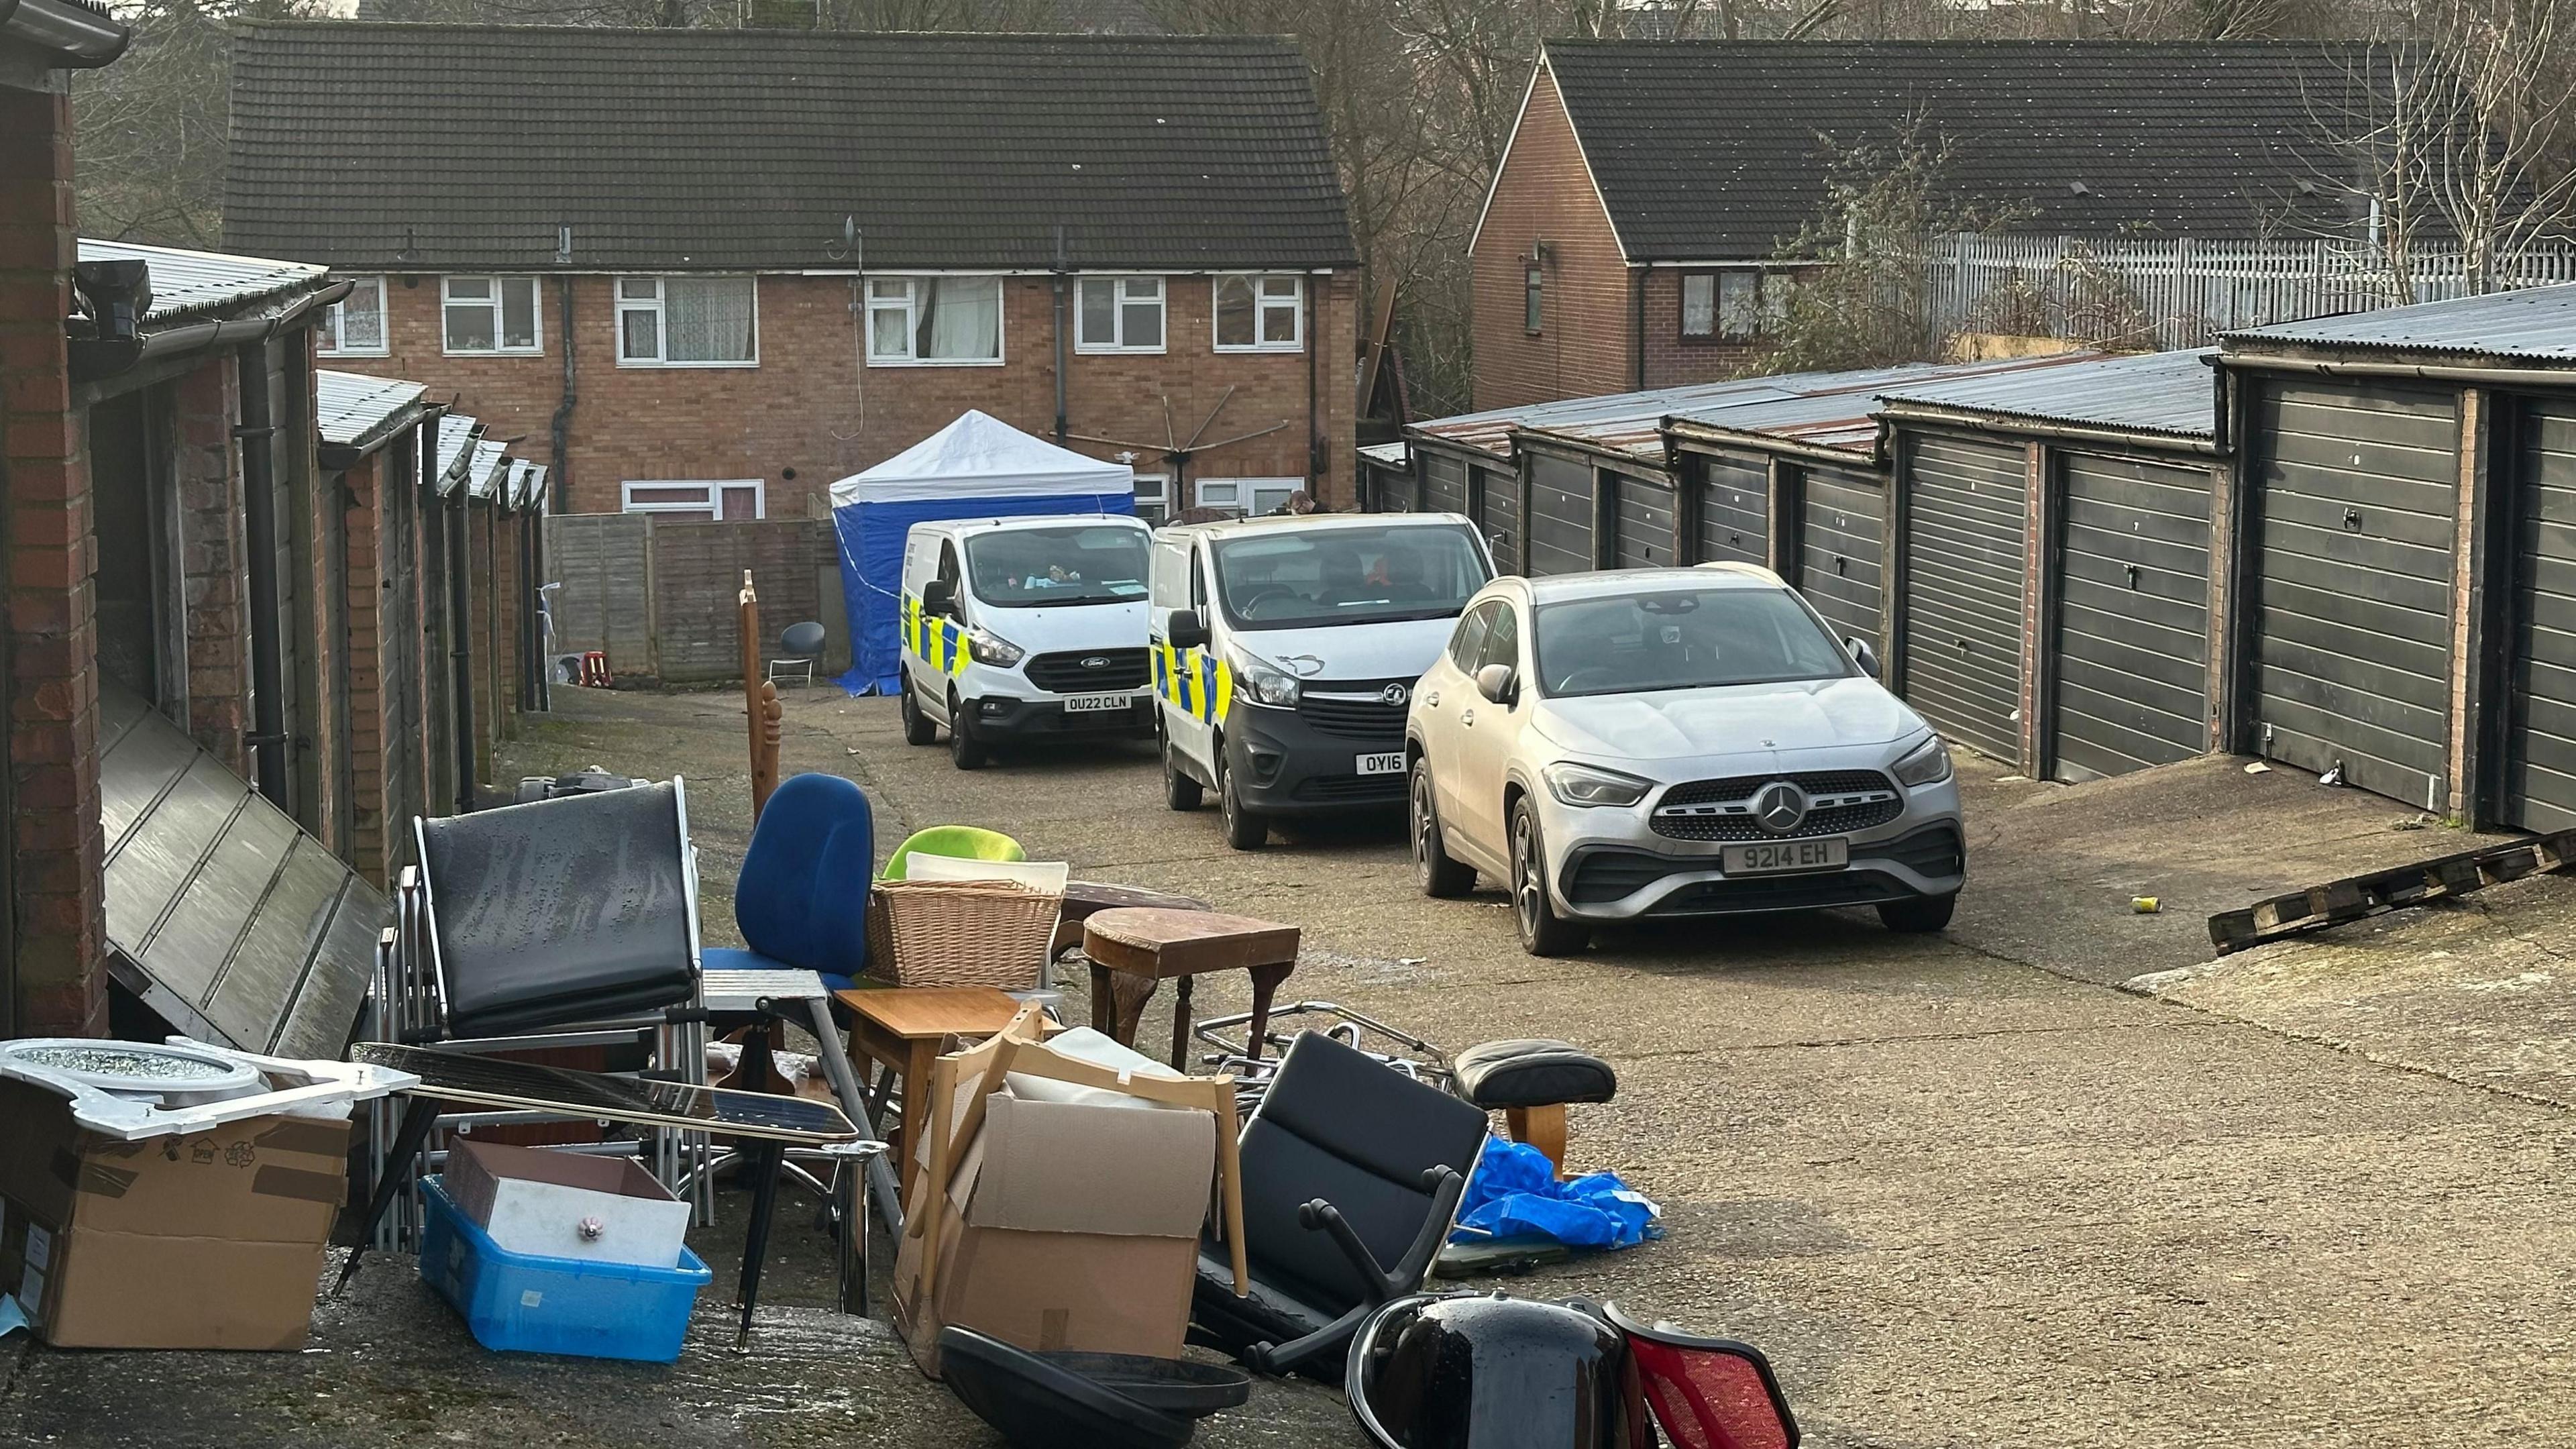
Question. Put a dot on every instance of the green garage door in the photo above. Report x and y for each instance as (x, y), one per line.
(1842, 535)
(2540, 760)
(1734, 511)
(2132, 645)
(1645, 523)
(1560, 521)
(2357, 491)
(1496, 506)
(1965, 512)
(1444, 484)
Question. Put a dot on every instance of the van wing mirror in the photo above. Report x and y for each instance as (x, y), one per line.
(1498, 683)
(1185, 630)
(938, 596)
(1862, 655)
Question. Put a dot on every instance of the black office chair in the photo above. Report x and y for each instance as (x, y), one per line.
(1347, 1167)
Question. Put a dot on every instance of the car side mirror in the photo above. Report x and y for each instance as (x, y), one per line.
(939, 596)
(1862, 655)
(1498, 683)
(1185, 630)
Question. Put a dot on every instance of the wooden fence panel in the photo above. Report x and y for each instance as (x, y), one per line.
(604, 565)
(658, 594)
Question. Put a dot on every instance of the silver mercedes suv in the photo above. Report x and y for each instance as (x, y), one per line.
(1673, 742)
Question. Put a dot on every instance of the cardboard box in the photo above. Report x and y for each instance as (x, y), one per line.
(536, 1202)
(211, 1239)
(1065, 1224)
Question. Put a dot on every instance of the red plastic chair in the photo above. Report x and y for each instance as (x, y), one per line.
(1708, 1393)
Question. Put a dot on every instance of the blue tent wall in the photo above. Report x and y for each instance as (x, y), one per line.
(872, 537)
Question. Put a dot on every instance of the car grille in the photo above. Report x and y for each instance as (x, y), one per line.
(1350, 789)
(1356, 710)
(1067, 673)
(1934, 850)
(1739, 790)
(1782, 893)
(1609, 875)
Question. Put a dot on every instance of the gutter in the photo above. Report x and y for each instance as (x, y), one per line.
(77, 37)
(340, 457)
(2058, 432)
(1685, 430)
(2412, 371)
(93, 360)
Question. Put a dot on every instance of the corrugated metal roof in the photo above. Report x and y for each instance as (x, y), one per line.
(2535, 324)
(1393, 455)
(1490, 431)
(185, 283)
(348, 405)
(2167, 393)
(456, 435)
(486, 466)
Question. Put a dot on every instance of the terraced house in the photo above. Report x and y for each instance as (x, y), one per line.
(708, 272)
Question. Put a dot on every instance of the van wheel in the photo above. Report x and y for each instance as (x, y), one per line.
(917, 728)
(1440, 877)
(1919, 916)
(1542, 931)
(964, 750)
(1244, 829)
(1180, 792)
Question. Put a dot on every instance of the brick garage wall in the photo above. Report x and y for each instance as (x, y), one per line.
(1544, 193)
(810, 408)
(215, 588)
(57, 919)
(372, 808)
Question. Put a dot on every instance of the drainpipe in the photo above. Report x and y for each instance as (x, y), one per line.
(1061, 287)
(1315, 459)
(460, 613)
(571, 391)
(1637, 326)
(256, 430)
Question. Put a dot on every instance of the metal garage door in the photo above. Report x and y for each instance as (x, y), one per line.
(1444, 484)
(1497, 509)
(1397, 491)
(2132, 642)
(2358, 497)
(1560, 521)
(1734, 511)
(1963, 595)
(2540, 758)
(1645, 523)
(1842, 533)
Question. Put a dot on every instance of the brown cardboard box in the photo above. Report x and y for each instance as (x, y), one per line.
(208, 1240)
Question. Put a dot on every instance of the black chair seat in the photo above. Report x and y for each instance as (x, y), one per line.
(1532, 1072)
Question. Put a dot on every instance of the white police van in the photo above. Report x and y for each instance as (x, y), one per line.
(1285, 651)
(1024, 628)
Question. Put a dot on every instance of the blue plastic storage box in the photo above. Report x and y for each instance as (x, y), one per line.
(522, 1303)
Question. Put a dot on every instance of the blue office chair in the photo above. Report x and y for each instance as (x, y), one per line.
(802, 898)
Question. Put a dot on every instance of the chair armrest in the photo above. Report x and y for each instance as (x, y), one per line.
(1281, 1360)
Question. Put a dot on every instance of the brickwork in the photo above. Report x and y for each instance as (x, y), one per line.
(57, 921)
(213, 580)
(1585, 342)
(362, 523)
(1671, 359)
(809, 408)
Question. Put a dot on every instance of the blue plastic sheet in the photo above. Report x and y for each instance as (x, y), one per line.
(1514, 1194)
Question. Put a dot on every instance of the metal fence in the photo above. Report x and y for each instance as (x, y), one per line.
(657, 595)
(2185, 293)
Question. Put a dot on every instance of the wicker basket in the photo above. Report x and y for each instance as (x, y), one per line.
(959, 933)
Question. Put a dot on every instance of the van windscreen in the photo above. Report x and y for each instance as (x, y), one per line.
(1075, 563)
(1298, 579)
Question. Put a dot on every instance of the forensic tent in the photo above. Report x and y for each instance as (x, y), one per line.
(976, 467)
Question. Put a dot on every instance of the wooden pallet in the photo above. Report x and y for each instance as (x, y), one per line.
(2379, 892)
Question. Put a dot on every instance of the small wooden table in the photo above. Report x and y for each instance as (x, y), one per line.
(904, 1027)
(1084, 899)
(1133, 949)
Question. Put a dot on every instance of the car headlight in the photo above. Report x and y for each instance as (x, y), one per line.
(1590, 785)
(991, 648)
(1926, 764)
(1264, 683)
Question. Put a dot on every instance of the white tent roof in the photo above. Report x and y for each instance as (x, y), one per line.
(980, 456)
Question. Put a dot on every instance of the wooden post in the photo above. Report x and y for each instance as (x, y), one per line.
(760, 706)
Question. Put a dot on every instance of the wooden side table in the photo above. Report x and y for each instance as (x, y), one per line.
(1084, 899)
(1133, 949)
(904, 1028)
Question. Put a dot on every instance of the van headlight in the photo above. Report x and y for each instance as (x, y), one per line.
(1590, 785)
(991, 648)
(1926, 764)
(1264, 683)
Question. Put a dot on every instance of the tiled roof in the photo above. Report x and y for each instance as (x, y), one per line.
(186, 283)
(2537, 324)
(351, 406)
(2156, 392)
(440, 147)
(1710, 150)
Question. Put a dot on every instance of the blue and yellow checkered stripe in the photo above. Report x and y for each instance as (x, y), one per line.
(1193, 681)
(937, 642)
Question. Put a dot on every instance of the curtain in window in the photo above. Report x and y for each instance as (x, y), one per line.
(709, 318)
(362, 316)
(963, 319)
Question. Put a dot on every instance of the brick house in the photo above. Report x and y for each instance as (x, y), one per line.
(708, 272)
(1632, 234)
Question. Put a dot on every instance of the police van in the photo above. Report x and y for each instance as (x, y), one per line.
(1285, 651)
(1024, 628)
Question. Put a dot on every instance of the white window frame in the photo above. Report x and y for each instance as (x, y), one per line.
(622, 304)
(1161, 496)
(871, 304)
(332, 323)
(1243, 493)
(713, 507)
(536, 315)
(1119, 303)
(1261, 303)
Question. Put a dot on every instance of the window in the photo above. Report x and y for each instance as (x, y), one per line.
(1736, 305)
(687, 322)
(1699, 304)
(1260, 314)
(491, 314)
(1303, 578)
(1247, 497)
(1067, 566)
(728, 498)
(1503, 641)
(1533, 298)
(934, 321)
(1119, 314)
(1682, 639)
(1153, 500)
(354, 326)
(1467, 645)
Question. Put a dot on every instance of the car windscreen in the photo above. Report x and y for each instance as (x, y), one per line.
(1681, 639)
(1305, 578)
(1077, 563)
